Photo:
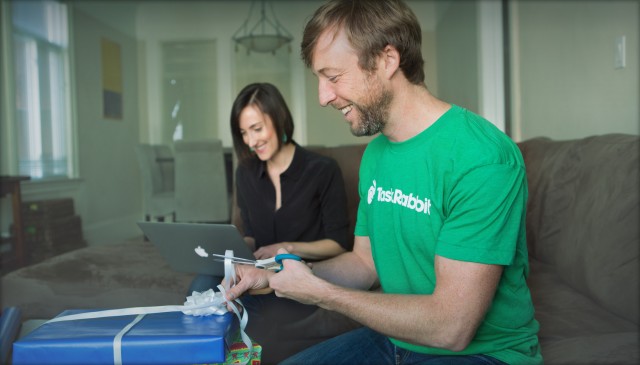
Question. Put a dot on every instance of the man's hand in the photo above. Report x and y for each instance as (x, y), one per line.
(296, 281)
(248, 278)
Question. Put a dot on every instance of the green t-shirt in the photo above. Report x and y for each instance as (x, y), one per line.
(458, 190)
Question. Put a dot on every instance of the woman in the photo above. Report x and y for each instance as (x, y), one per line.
(288, 197)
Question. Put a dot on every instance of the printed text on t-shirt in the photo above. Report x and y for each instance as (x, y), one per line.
(396, 196)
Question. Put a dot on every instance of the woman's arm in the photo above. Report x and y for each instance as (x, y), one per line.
(251, 242)
(316, 250)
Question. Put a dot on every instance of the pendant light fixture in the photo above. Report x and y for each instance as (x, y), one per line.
(267, 35)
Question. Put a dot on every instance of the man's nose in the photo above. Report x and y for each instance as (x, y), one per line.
(325, 93)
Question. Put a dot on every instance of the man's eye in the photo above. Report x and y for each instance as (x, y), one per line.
(333, 79)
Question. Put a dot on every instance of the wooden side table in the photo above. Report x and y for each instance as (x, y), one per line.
(11, 185)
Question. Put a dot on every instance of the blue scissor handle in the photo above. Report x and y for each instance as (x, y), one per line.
(286, 256)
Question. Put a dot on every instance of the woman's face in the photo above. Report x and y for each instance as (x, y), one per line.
(258, 132)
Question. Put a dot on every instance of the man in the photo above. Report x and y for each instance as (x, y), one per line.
(441, 221)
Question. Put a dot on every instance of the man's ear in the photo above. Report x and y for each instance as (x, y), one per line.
(390, 61)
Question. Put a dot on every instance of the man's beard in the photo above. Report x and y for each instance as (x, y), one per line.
(373, 115)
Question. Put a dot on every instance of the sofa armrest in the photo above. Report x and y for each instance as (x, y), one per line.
(10, 320)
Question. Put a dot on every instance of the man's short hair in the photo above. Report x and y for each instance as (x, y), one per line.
(370, 25)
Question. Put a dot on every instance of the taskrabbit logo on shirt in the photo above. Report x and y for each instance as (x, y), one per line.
(372, 192)
(396, 196)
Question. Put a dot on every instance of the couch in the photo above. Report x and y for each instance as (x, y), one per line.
(583, 235)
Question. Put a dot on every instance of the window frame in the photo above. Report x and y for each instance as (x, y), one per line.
(9, 129)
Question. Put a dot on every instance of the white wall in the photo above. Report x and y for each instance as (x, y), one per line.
(564, 82)
(457, 53)
(109, 197)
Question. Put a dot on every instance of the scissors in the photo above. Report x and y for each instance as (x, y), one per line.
(273, 263)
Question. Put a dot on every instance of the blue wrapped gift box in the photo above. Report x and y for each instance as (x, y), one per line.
(164, 338)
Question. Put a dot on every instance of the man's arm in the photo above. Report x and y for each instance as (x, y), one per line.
(353, 269)
(448, 318)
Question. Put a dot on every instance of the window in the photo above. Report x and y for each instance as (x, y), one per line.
(189, 90)
(42, 88)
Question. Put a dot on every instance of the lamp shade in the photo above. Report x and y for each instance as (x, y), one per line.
(267, 35)
(263, 43)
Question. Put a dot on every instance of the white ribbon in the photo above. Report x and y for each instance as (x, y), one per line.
(117, 341)
(230, 278)
(229, 270)
(198, 304)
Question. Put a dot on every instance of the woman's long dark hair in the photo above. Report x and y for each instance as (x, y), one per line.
(266, 98)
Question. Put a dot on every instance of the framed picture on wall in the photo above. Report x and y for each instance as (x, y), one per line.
(111, 79)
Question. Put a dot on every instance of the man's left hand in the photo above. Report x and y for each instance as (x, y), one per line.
(296, 281)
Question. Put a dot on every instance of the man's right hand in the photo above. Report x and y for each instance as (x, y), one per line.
(249, 279)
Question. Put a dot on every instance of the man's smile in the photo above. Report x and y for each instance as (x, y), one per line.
(346, 109)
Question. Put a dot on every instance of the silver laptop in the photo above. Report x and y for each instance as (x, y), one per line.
(178, 243)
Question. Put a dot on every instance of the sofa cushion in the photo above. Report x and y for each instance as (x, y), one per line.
(564, 312)
(574, 329)
(128, 274)
(619, 348)
(583, 214)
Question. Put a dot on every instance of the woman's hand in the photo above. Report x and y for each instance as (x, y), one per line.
(269, 251)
